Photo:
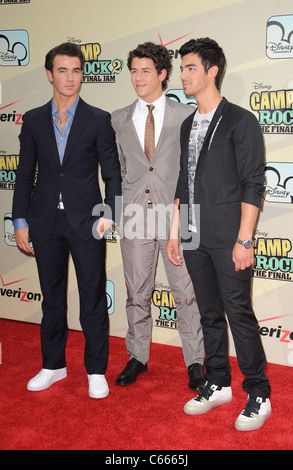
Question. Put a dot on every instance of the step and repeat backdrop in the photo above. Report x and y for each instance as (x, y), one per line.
(257, 38)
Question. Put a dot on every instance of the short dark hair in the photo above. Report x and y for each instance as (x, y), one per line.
(159, 55)
(210, 53)
(66, 48)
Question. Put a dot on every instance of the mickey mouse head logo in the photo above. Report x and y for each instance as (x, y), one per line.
(14, 48)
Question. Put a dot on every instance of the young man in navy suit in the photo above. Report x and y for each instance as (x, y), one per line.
(222, 165)
(66, 140)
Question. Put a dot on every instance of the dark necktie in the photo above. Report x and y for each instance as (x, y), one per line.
(149, 139)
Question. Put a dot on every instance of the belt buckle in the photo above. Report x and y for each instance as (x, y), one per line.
(150, 204)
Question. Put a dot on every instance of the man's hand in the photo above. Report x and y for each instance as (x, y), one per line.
(103, 226)
(242, 257)
(22, 240)
(172, 247)
(173, 252)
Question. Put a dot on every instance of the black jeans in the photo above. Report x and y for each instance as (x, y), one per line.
(219, 289)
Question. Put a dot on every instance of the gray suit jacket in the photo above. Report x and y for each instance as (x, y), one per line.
(139, 177)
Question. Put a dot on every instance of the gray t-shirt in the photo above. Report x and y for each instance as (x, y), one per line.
(199, 128)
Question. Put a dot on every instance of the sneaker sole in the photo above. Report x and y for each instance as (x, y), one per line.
(247, 426)
(99, 395)
(31, 388)
(201, 409)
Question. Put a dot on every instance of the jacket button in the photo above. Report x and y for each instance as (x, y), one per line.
(151, 168)
(61, 174)
(147, 191)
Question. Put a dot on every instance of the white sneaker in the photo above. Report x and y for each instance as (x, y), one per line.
(45, 379)
(209, 397)
(98, 386)
(254, 415)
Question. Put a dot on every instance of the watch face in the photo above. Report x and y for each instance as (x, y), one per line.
(248, 244)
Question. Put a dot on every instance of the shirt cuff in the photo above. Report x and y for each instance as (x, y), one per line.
(20, 223)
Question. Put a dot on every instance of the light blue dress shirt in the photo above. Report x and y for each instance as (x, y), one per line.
(61, 140)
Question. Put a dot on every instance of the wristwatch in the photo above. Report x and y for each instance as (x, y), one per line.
(246, 243)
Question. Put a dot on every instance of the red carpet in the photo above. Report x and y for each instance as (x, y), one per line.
(147, 415)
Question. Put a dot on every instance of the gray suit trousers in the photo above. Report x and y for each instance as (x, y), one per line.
(139, 262)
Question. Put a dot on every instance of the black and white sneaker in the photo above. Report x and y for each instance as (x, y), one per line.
(212, 395)
(254, 415)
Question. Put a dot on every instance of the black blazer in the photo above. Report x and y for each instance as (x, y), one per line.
(230, 171)
(91, 142)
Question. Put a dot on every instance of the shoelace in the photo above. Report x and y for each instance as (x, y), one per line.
(206, 393)
(252, 406)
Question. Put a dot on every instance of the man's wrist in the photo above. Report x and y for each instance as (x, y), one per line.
(247, 243)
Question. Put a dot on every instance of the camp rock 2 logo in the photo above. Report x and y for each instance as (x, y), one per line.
(8, 166)
(274, 108)
(96, 70)
(279, 182)
(164, 300)
(280, 37)
(272, 259)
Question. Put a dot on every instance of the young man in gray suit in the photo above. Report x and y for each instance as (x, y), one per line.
(149, 183)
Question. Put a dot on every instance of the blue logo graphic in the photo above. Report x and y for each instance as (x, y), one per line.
(178, 95)
(14, 48)
(280, 37)
(110, 296)
(279, 182)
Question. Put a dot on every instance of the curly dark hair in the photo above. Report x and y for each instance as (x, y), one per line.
(159, 55)
(66, 48)
(210, 53)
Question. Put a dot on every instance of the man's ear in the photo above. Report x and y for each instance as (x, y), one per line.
(163, 75)
(49, 75)
(213, 71)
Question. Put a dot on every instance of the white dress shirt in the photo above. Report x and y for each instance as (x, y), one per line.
(140, 115)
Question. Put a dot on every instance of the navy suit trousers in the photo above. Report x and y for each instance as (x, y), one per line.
(88, 256)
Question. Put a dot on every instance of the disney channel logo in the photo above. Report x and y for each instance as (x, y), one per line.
(279, 182)
(14, 48)
(280, 37)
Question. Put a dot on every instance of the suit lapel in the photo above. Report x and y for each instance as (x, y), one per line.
(129, 127)
(79, 123)
(130, 130)
(211, 129)
(185, 137)
(215, 120)
(46, 125)
(167, 124)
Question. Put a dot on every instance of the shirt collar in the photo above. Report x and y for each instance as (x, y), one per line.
(159, 103)
(71, 110)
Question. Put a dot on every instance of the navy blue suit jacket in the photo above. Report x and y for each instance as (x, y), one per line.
(91, 143)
